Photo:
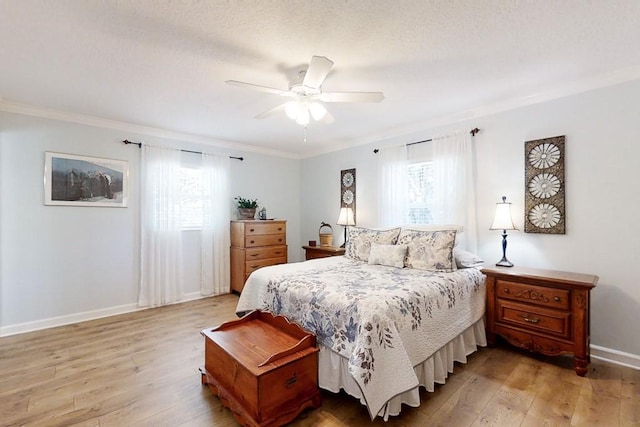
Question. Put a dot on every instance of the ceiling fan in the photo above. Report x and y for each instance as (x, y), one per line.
(307, 95)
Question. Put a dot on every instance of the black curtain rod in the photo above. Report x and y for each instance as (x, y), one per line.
(473, 132)
(139, 144)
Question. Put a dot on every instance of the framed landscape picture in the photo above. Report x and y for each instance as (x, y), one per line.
(71, 180)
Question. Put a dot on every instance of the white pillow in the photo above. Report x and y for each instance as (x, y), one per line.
(389, 255)
(466, 259)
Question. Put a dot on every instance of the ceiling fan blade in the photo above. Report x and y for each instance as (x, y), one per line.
(258, 87)
(318, 69)
(275, 110)
(352, 96)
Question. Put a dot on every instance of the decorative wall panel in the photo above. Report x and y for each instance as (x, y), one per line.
(544, 186)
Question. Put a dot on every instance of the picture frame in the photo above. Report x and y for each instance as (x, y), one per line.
(74, 180)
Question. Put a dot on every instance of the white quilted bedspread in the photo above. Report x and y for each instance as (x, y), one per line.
(384, 320)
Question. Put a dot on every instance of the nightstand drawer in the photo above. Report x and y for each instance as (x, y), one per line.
(535, 318)
(265, 252)
(531, 294)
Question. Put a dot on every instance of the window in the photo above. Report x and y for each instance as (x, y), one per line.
(191, 198)
(420, 192)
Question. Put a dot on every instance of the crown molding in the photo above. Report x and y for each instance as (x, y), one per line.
(613, 78)
(46, 113)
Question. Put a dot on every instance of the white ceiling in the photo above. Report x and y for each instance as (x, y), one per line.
(164, 63)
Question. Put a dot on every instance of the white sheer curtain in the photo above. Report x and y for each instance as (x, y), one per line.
(214, 238)
(454, 190)
(393, 186)
(161, 230)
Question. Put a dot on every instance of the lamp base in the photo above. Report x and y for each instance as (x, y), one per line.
(504, 263)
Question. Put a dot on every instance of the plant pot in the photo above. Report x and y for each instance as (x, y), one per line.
(246, 213)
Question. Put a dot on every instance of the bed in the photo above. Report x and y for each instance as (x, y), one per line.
(383, 330)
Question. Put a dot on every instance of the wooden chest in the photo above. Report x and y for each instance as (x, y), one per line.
(255, 244)
(263, 368)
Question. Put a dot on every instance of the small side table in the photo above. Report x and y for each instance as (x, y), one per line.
(312, 252)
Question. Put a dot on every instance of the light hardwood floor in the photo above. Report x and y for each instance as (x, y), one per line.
(141, 369)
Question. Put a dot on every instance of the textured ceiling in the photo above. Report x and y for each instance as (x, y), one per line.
(164, 63)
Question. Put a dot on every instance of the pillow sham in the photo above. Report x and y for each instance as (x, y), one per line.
(429, 250)
(360, 240)
(389, 255)
(466, 259)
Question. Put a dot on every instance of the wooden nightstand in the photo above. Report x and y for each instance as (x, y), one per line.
(312, 252)
(543, 311)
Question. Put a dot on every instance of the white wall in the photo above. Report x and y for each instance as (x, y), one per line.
(602, 196)
(61, 263)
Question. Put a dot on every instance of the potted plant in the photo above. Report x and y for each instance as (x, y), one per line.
(246, 207)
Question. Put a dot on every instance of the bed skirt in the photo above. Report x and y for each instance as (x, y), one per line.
(333, 370)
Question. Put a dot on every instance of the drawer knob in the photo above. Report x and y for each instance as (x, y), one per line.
(255, 266)
(253, 255)
(252, 230)
(253, 241)
(529, 319)
(279, 228)
(279, 240)
(556, 299)
(506, 290)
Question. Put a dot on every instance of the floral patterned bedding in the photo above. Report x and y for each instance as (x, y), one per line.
(384, 320)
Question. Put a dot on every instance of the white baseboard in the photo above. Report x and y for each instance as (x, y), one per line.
(52, 322)
(615, 356)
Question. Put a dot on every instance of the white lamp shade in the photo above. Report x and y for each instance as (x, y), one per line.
(502, 219)
(292, 108)
(303, 116)
(346, 217)
(317, 110)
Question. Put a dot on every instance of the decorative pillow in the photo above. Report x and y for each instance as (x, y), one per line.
(466, 259)
(437, 227)
(360, 239)
(429, 250)
(389, 255)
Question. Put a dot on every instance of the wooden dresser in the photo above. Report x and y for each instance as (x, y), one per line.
(543, 311)
(313, 252)
(255, 244)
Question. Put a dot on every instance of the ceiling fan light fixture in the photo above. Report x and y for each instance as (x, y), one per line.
(317, 110)
(303, 115)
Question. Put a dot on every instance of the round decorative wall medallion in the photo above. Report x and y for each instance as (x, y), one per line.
(544, 215)
(544, 156)
(347, 179)
(544, 185)
(347, 197)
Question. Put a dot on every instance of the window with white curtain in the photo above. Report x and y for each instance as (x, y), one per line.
(420, 182)
(191, 198)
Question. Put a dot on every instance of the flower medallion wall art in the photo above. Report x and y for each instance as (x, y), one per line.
(544, 186)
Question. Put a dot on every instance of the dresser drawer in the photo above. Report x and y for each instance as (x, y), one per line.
(532, 294)
(253, 265)
(264, 240)
(264, 228)
(534, 318)
(265, 252)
